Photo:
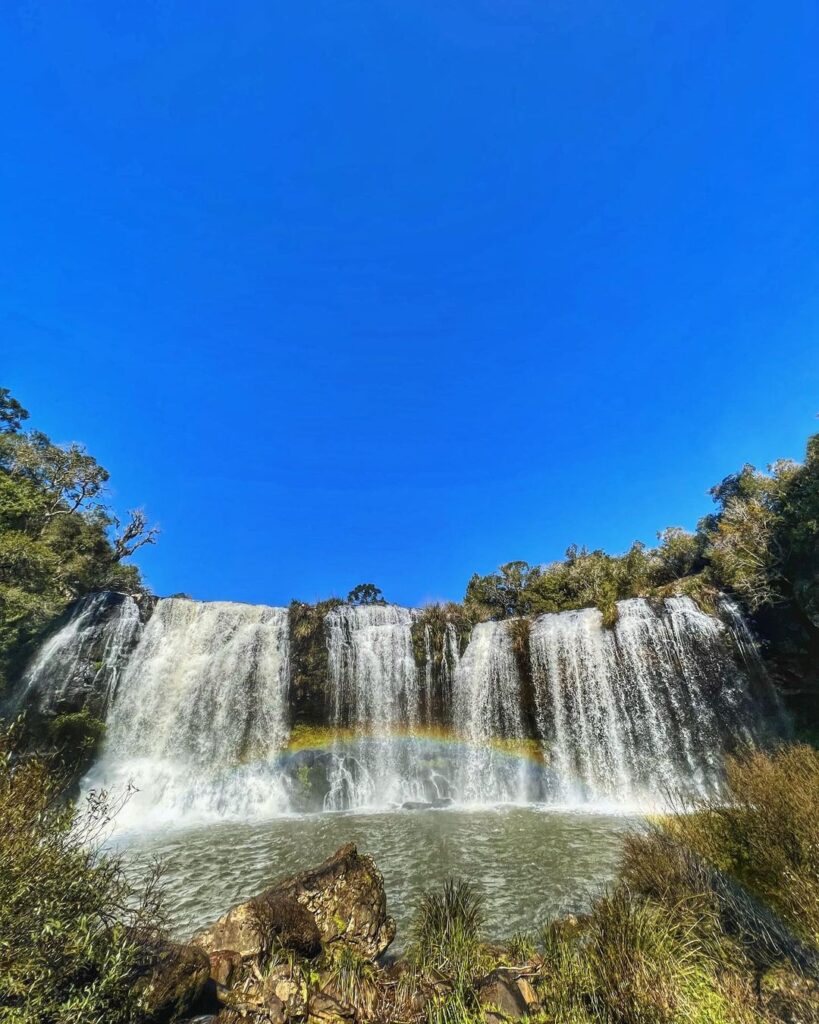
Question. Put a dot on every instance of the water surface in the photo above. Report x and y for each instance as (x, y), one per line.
(532, 865)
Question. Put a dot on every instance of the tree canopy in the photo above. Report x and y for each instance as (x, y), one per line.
(761, 544)
(58, 537)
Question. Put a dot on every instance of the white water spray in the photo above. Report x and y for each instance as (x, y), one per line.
(200, 714)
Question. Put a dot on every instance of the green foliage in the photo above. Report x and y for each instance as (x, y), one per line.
(521, 947)
(77, 735)
(761, 544)
(635, 960)
(75, 934)
(58, 539)
(366, 593)
(765, 833)
(446, 931)
(352, 979)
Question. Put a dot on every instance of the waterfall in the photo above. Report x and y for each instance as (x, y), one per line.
(376, 703)
(80, 663)
(197, 706)
(199, 716)
(641, 711)
(488, 706)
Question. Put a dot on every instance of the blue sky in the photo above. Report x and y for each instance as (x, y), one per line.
(399, 290)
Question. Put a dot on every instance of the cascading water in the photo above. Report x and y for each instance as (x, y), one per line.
(376, 706)
(488, 706)
(641, 711)
(81, 662)
(197, 706)
(200, 715)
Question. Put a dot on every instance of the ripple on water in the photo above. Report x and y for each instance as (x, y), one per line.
(532, 865)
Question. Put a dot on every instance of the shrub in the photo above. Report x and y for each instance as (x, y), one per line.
(446, 931)
(75, 934)
(76, 733)
(765, 833)
(634, 962)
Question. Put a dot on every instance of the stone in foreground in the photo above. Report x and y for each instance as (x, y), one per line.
(340, 900)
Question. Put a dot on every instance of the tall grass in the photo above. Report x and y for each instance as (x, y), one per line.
(635, 962)
(765, 832)
(446, 930)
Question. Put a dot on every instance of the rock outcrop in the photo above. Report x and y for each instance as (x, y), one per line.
(341, 899)
(176, 983)
(305, 951)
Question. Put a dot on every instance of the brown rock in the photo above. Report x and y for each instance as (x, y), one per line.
(343, 898)
(346, 897)
(527, 992)
(288, 986)
(224, 966)
(323, 1009)
(253, 928)
(501, 991)
(175, 983)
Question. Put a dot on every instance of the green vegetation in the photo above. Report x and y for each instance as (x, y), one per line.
(308, 660)
(765, 834)
(366, 593)
(761, 544)
(58, 538)
(713, 921)
(75, 933)
(715, 918)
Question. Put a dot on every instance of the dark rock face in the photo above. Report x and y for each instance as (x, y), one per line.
(176, 983)
(286, 922)
(342, 899)
(78, 662)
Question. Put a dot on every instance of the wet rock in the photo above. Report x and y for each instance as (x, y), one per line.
(341, 899)
(415, 805)
(175, 984)
(324, 1009)
(444, 801)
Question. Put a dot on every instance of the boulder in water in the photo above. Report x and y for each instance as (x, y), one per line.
(341, 899)
(346, 897)
(253, 928)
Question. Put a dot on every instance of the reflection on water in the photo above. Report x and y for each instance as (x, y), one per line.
(531, 865)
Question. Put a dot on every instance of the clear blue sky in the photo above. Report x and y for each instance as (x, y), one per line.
(398, 290)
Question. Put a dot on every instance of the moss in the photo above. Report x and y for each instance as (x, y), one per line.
(310, 737)
(434, 619)
(308, 660)
(610, 614)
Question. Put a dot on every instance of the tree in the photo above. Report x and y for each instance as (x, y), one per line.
(679, 554)
(366, 593)
(58, 538)
(502, 594)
